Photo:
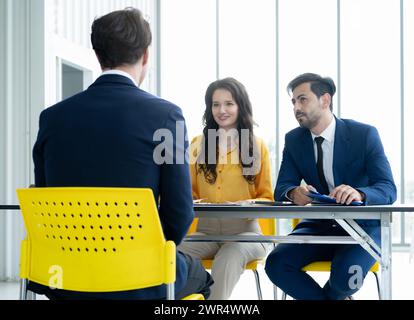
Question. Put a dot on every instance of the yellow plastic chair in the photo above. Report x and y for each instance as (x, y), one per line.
(268, 227)
(325, 266)
(94, 240)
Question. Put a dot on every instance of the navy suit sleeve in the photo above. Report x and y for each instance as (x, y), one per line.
(381, 189)
(176, 201)
(289, 176)
(38, 158)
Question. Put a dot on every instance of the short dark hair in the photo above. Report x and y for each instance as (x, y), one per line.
(120, 37)
(318, 84)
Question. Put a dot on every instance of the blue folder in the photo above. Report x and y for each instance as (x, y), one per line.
(324, 199)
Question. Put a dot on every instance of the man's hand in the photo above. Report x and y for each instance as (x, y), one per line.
(345, 194)
(299, 195)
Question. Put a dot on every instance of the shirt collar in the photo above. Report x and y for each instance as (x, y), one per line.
(223, 136)
(329, 133)
(120, 73)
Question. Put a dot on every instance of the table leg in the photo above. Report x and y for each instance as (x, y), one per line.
(386, 243)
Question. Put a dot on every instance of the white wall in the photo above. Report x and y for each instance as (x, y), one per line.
(37, 36)
(22, 96)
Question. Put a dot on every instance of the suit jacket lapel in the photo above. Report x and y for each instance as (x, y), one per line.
(341, 152)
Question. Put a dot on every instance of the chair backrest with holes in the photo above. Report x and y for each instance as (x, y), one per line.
(94, 239)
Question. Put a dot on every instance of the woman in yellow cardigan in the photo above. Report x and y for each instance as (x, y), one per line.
(228, 164)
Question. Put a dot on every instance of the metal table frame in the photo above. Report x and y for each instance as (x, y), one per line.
(345, 216)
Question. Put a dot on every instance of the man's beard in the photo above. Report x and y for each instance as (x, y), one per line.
(305, 122)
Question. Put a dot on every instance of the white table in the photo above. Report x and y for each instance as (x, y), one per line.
(345, 216)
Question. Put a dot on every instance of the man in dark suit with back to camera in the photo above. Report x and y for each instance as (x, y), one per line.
(103, 137)
(341, 158)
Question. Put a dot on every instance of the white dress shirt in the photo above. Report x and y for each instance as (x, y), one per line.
(328, 150)
(119, 73)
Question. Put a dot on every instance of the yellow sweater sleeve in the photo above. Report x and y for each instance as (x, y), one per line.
(263, 182)
(193, 155)
(193, 172)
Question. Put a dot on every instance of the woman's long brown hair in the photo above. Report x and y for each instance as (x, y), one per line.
(244, 121)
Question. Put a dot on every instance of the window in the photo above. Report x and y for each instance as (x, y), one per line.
(267, 43)
(408, 19)
(302, 25)
(188, 56)
(370, 64)
(72, 80)
(308, 43)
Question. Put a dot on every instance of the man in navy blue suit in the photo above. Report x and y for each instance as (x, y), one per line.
(337, 157)
(104, 137)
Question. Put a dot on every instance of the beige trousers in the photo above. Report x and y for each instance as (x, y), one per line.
(230, 258)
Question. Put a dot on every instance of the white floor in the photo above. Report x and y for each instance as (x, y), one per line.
(402, 273)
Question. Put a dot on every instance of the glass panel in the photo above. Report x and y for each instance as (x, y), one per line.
(409, 113)
(247, 53)
(371, 73)
(188, 56)
(72, 81)
(308, 43)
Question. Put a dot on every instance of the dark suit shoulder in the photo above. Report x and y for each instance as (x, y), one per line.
(355, 128)
(114, 97)
(62, 104)
(352, 124)
(296, 133)
(161, 105)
